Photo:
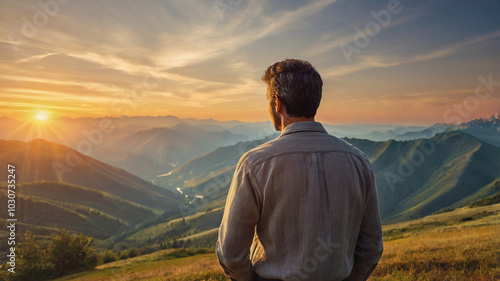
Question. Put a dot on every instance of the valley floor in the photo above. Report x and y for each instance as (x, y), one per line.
(460, 245)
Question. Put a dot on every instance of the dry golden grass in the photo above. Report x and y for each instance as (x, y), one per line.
(461, 254)
(156, 267)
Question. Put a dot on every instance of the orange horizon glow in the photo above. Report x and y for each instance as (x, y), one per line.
(417, 70)
(333, 115)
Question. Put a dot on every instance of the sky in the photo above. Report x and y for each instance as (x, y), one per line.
(382, 61)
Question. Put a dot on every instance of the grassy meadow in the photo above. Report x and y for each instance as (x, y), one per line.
(463, 244)
(172, 264)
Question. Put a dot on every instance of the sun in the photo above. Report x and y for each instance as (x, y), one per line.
(42, 116)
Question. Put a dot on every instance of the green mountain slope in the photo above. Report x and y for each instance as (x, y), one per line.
(414, 178)
(42, 160)
(206, 179)
(417, 178)
(484, 192)
(120, 212)
(57, 187)
(190, 227)
(44, 217)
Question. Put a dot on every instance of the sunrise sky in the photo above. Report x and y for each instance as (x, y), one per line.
(382, 62)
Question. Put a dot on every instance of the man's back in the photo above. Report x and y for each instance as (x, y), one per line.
(312, 200)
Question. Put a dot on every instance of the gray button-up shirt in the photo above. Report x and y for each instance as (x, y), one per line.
(301, 207)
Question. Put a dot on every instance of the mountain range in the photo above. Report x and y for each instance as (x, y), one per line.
(144, 146)
(149, 146)
(156, 151)
(487, 130)
(419, 177)
(414, 178)
(58, 187)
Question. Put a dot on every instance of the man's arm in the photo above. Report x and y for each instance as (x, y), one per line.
(369, 246)
(237, 229)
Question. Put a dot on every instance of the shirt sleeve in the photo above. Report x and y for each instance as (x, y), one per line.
(236, 232)
(369, 246)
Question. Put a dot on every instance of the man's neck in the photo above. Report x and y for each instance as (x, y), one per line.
(289, 120)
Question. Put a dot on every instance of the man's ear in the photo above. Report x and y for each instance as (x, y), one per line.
(278, 105)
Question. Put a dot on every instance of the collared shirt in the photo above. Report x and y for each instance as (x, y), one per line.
(301, 207)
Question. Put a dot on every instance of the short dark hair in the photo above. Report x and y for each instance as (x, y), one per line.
(297, 84)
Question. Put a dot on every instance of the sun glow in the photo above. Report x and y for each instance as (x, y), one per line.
(42, 116)
(41, 124)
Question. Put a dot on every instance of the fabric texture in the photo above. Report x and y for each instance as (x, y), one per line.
(301, 207)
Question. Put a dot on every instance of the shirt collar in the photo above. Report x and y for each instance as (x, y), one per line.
(303, 126)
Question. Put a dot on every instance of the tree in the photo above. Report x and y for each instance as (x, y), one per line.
(133, 253)
(123, 255)
(33, 260)
(72, 253)
(63, 254)
(108, 256)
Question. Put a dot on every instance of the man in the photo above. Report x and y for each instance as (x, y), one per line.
(303, 206)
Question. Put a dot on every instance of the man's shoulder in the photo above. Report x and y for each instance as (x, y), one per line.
(284, 145)
(341, 146)
(263, 151)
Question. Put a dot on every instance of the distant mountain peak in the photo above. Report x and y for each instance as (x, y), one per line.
(495, 116)
(494, 119)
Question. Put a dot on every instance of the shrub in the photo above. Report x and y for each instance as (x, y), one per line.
(108, 256)
(71, 253)
(64, 254)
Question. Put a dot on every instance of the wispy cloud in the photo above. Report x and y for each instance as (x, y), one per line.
(337, 38)
(35, 58)
(377, 61)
